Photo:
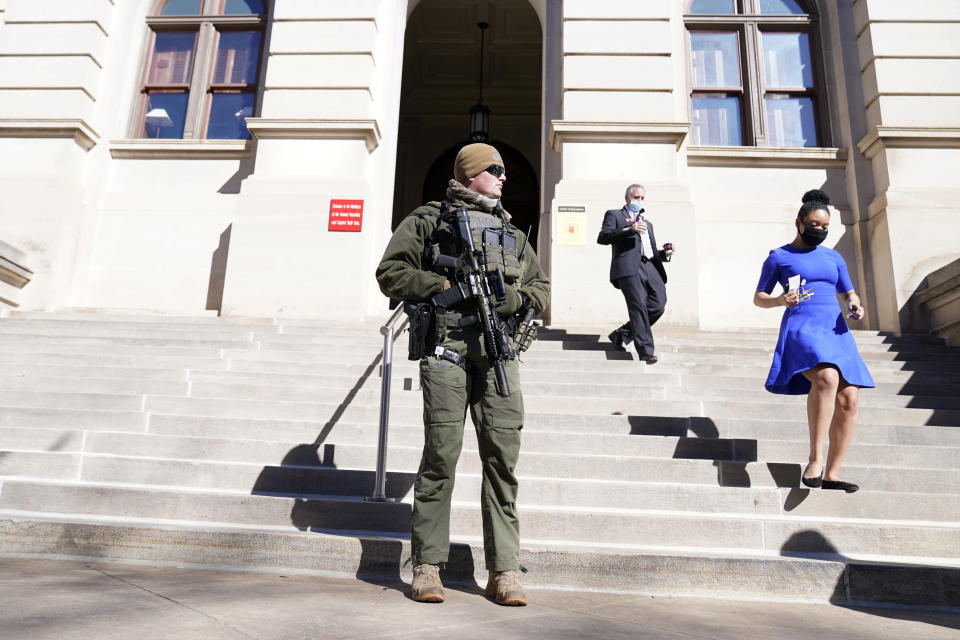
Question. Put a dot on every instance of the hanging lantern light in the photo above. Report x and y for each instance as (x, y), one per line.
(480, 113)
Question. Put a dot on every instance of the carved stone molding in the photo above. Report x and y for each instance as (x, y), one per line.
(804, 157)
(315, 129)
(77, 129)
(881, 138)
(663, 132)
(153, 148)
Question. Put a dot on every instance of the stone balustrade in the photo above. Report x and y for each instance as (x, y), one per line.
(942, 299)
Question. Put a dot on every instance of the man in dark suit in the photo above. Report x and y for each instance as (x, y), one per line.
(637, 270)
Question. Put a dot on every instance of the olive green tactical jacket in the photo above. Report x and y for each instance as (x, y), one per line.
(402, 276)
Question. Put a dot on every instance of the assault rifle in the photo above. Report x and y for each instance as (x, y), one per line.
(485, 289)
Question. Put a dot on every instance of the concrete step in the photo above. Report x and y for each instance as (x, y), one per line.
(315, 328)
(892, 383)
(880, 361)
(270, 340)
(15, 398)
(213, 440)
(101, 316)
(29, 358)
(293, 361)
(92, 385)
(45, 465)
(708, 336)
(626, 569)
(600, 353)
(241, 425)
(91, 420)
(869, 398)
(151, 466)
(64, 371)
(37, 440)
(590, 393)
(131, 355)
(573, 410)
(559, 492)
(218, 440)
(704, 531)
(135, 342)
(902, 468)
(695, 427)
(122, 332)
(888, 383)
(761, 347)
(327, 387)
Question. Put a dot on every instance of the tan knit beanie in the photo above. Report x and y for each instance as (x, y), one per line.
(473, 159)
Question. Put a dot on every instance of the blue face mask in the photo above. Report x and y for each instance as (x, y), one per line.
(635, 206)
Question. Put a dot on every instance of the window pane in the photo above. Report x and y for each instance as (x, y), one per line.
(242, 7)
(716, 120)
(181, 8)
(165, 115)
(715, 59)
(172, 59)
(237, 58)
(791, 121)
(227, 111)
(712, 7)
(786, 60)
(781, 7)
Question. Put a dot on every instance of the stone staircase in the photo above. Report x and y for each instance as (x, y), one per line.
(251, 443)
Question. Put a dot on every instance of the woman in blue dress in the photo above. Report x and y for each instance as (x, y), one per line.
(816, 353)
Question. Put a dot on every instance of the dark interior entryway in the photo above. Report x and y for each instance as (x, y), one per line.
(521, 191)
(441, 76)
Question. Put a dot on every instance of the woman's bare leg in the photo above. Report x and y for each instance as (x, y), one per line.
(824, 380)
(844, 422)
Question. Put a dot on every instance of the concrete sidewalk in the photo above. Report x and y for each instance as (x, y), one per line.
(66, 599)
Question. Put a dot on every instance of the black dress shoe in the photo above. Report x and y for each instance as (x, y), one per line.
(840, 485)
(649, 359)
(813, 483)
(617, 339)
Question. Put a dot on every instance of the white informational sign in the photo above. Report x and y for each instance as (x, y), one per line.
(571, 226)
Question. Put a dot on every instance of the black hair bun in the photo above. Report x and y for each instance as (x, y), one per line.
(816, 195)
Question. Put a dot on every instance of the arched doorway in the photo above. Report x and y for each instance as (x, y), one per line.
(441, 74)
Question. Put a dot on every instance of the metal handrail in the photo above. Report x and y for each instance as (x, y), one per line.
(388, 332)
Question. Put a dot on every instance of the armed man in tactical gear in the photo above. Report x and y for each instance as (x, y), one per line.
(471, 284)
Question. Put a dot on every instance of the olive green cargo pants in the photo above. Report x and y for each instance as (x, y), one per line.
(447, 392)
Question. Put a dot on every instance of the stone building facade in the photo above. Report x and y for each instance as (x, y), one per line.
(249, 157)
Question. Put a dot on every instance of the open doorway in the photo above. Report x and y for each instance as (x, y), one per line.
(441, 81)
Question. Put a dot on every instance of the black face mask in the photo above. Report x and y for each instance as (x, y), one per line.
(813, 236)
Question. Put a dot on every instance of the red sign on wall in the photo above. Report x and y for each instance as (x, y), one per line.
(346, 215)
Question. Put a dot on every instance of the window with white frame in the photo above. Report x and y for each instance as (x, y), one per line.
(201, 73)
(755, 76)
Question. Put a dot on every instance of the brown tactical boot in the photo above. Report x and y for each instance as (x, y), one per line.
(426, 585)
(503, 587)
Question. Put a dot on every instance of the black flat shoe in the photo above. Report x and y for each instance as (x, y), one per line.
(840, 485)
(813, 483)
(617, 339)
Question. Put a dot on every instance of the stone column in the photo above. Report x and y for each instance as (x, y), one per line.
(623, 122)
(911, 78)
(327, 131)
(51, 59)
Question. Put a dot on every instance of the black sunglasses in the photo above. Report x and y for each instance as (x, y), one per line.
(495, 170)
